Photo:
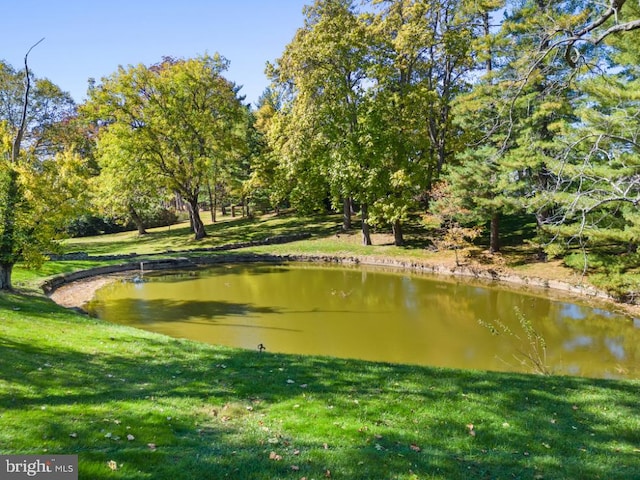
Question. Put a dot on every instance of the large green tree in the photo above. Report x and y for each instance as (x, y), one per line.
(423, 58)
(177, 117)
(319, 130)
(597, 191)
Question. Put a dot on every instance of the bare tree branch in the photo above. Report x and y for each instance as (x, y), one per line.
(17, 141)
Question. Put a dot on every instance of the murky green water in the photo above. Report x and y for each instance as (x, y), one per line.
(372, 314)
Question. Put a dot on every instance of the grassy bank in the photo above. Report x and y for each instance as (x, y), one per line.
(135, 405)
(163, 408)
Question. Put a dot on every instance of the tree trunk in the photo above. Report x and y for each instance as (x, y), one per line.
(214, 205)
(137, 219)
(398, 237)
(194, 217)
(346, 214)
(366, 234)
(494, 236)
(211, 202)
(245, 208)
(7, 236)
(5, 276)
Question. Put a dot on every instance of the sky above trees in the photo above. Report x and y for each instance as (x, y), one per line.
(90, 39)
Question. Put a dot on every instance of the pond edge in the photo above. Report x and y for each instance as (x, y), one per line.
(487, 274)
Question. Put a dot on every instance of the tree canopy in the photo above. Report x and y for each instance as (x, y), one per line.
(459, 110)
(167, 123)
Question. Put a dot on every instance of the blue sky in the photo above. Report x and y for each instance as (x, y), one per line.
(90, 38)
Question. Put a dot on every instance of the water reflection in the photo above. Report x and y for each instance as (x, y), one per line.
(374, 315)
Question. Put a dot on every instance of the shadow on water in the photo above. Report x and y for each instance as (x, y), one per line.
(162, 310)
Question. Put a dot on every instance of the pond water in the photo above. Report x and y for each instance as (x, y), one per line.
(374, 314)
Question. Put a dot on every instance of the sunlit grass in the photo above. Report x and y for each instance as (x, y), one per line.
(180, 238)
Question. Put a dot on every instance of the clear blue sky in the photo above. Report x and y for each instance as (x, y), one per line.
(90, 38)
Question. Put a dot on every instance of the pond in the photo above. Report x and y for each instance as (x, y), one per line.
(374, 314)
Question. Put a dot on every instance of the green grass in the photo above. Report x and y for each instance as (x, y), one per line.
(180, 238)
(162, 408)
(75, 385)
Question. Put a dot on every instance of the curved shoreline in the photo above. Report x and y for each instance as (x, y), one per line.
(76, 289)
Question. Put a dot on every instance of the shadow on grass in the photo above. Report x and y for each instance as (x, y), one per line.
(180, 238)
(73, 385)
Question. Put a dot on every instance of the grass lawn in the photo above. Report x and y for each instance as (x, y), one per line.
(136, 405)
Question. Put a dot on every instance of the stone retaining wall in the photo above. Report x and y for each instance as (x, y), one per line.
(460, 271)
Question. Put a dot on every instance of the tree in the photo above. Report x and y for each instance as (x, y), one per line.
(321, 136)
(266, 180)
(597, 191)
(564, 129)
(124, 188)
(38, 187)
(513, 117)
(422, 58)
(181, 114)
(474, 177)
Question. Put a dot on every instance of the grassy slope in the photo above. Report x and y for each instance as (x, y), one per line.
(74, 385)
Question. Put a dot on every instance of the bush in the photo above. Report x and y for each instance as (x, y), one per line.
(162, 217)
(90, 225)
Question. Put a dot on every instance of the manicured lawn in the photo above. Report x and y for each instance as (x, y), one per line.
(136, 405)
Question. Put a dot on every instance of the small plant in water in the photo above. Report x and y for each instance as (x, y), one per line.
(532, 351)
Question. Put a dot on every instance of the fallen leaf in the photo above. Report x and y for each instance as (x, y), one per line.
(275, 456)
(327, 474)
(296, 452)
(152, 446)
(471, 428)
(73, 435)
(415, 447)
(130, 437)
(295, 468)
(112, 465)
